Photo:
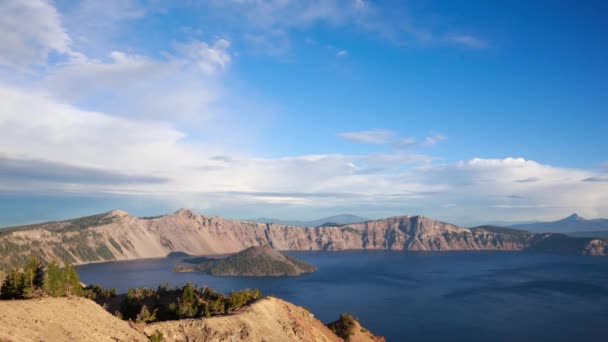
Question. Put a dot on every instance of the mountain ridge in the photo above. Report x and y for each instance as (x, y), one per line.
(117, 235)
(568, 225)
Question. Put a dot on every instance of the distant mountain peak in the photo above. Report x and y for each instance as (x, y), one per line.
(185, 212)
(118, 213)
(574, 217)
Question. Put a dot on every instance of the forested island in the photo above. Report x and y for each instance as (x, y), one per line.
(253, 262)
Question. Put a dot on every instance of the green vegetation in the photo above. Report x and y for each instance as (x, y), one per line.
(157, 337)
(33, 281)
(115, 245)
(497, 229)
(253, 261)
(60, 282)
(63, 226)
(163, 303)
(350, 230)
(344, 326)
(143, 305)
(65, 247)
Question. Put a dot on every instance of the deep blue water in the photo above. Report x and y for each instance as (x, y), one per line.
(477, 296)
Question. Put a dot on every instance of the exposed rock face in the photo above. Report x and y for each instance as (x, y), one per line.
(253, 262)
(120, 236)
(269, 319)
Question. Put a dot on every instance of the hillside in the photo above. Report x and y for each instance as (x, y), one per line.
(253, 261)
(269, 319)
(62, 319)
(80, 319)
(119, 236)
(570, 225)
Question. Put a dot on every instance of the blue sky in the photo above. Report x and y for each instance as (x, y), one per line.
(463, 111)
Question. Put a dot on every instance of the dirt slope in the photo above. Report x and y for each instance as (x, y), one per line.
(62, 319)
(78, 319)
(270, 319)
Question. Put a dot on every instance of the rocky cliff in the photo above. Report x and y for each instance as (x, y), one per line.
(119, 236)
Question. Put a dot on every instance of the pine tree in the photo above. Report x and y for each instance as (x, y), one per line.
(53, 280)
(13, 285)
(71, 281)
(145, 316)
(33, 277)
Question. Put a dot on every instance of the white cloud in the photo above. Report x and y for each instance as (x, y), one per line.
(30, 31)
(496, 183)
(374, 136)
(342, 53)
(209, 58)
(383, 136)
(433, 139)
(184, 85)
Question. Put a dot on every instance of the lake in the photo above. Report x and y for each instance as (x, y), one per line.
(422, 296)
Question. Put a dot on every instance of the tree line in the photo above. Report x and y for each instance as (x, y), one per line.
(35, 280)
(138, 304)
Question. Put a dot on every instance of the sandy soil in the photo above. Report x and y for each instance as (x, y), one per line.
(78, 319)
(62, 319)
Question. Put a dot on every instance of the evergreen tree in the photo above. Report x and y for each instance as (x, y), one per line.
(12, 287)
(145, 316)
(53, 280)
(33, 277)
(187, 303)
(71, 281)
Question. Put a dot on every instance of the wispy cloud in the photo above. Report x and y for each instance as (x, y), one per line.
(342, 53)
(209, 58)
(374, 136)
(383, 136)
(31, 30)
(433, 139)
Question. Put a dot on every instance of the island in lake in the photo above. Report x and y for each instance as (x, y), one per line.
(254, 261)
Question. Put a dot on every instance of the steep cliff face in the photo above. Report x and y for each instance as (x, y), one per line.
(119, 236)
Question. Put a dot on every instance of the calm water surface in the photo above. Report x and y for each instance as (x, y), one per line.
(474, 296)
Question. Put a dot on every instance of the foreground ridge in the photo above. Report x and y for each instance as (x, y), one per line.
(80, 319)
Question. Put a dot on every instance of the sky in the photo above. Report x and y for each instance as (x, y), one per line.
(465, 111)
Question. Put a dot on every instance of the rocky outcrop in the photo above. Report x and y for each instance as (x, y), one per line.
(119, 236)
